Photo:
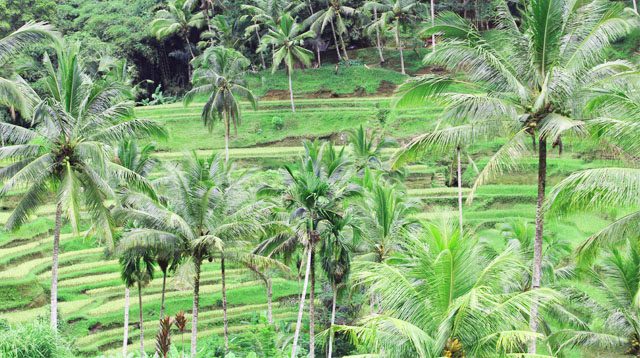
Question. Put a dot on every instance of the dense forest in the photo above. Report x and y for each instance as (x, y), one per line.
(292, 178)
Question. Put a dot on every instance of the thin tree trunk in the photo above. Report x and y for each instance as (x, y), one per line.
(54, 267)
(226, 137)
(196, 304)
(344, 48)
(378, 41)
(635, 6)
(335, 40)
(318, 55)
(399, 45)
(267, 283)
(125, 338)
(537, 246)
(459, 191)
(224, 305)
(140, 318)
(186, 38)
(433, 22)
(293, 106)
(164, 285)
(264, 65)
(333, 319)
(301, 307)
(312, 313)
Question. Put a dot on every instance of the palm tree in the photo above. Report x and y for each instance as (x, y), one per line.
(443, 297)
(332, 15)
(261, 13)
(136, 268)
(335, 252)
(139, 161)
(68, 150)
(367, 147)
(603, 299)
(287, 39)
(313, 195)
(617, 122)
(532, 74)
(176, 20)
(375, 25)
(189, 219)
(395, 13)
(15, 93)
(221, 77)
(441, 141)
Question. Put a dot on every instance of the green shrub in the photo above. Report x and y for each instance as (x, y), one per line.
(33, 340)
(277, 123)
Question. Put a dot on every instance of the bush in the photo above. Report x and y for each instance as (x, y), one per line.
(277, 122)
(33, 340)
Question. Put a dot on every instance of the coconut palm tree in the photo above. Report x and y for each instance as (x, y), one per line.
(261, 13)
(332, 15)
(366, 147)
(371, 9)
(220, 76)
(534, 74)
(68, 150)
(617, 123)
(603, 299)
(287, 39)
(177, 20)
(136, 268)
(442, 296)
(139, 161)
(313, 195)
(385, 216)
(397, 14)
(15, 93)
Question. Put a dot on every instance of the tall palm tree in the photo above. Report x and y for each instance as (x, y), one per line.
(187, 220)
(68, 150)
(533, 74)
(397, 14)
(262, 13)
(313, 194)
(139, 161)
(371, 9)
(15, 93)
(176, 20)
(220, 76)
(136, 268)
(442, 296)
(287, 39)
(332, 15)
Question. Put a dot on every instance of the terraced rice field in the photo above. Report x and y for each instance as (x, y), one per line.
(92, 293)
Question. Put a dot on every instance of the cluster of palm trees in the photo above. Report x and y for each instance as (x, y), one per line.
(433, 289)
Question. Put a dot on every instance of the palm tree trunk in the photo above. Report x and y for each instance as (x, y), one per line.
(224, 305)
(54, 267)
(125, 338)
(318, 56)
(335, 40)
(537, 245)
(459, 192)
(344, 48)
(186, 39)
(378, 41)
(267, 282)
(141, 319)
(196, 303)
(333, 319)
(312, 313)
(226, 137)
(293, 106)
(264, 65)
(164, 285)
(433, 22)
(635, 6)
(399, 46)
(301, 307)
